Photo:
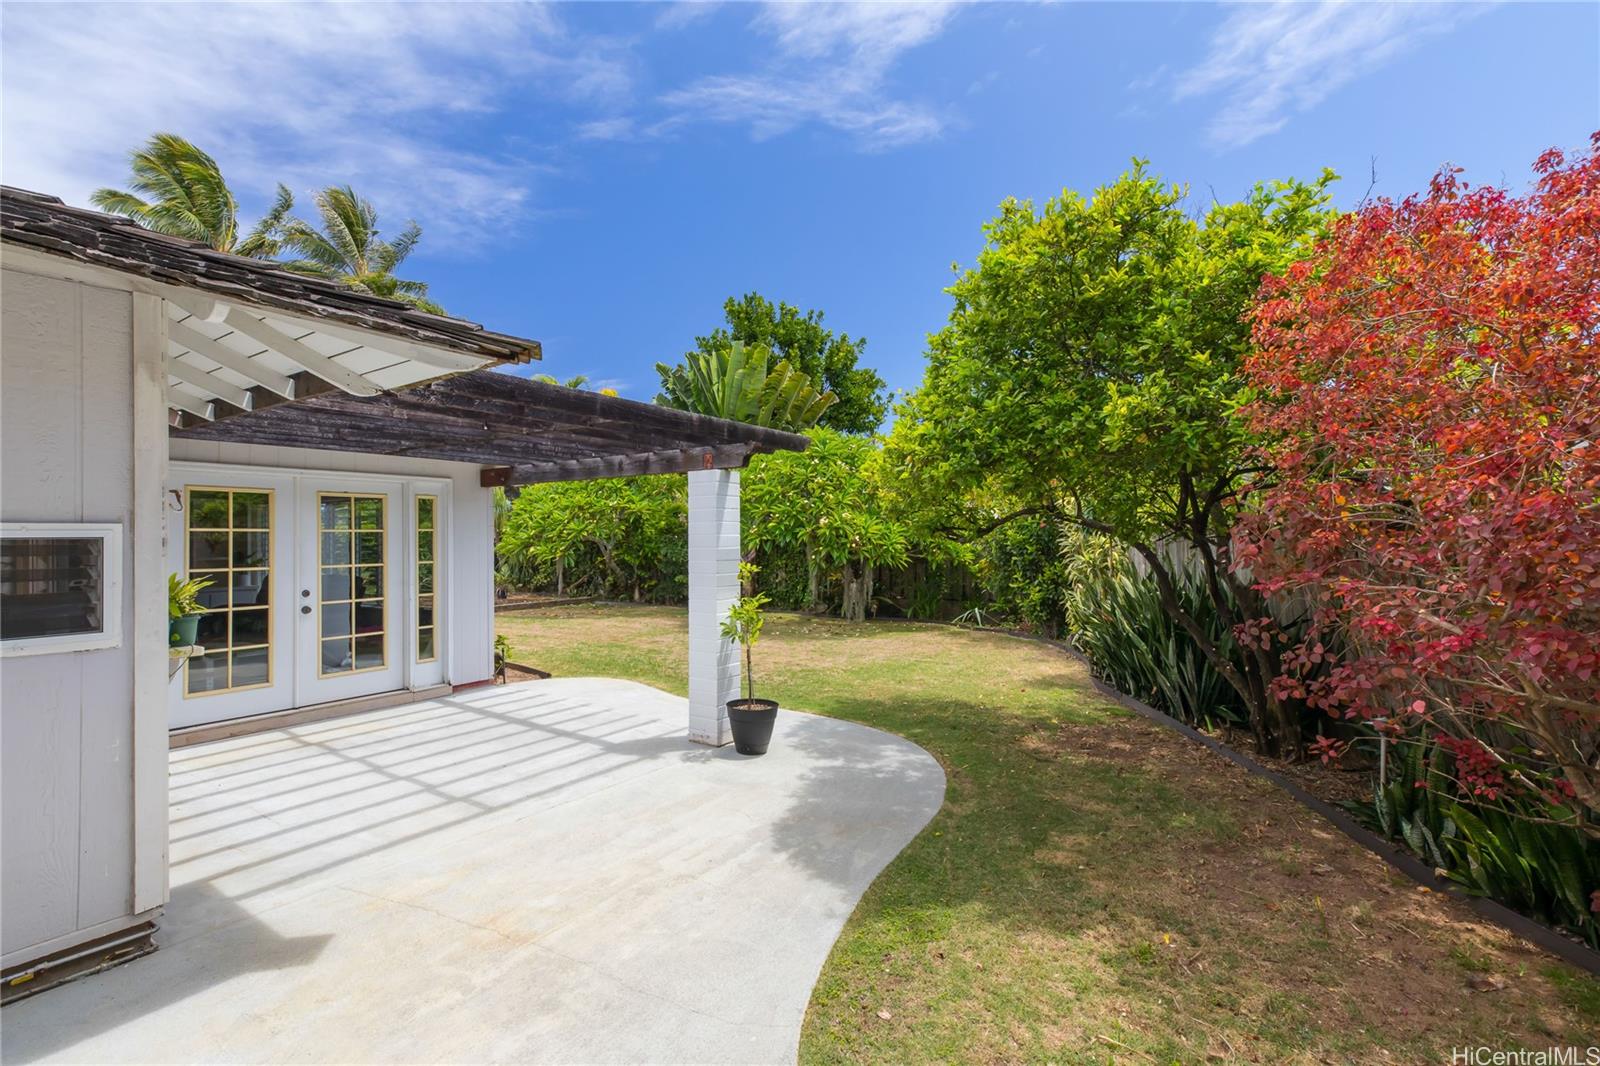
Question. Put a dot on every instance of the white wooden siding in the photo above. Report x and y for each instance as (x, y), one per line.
(66, 720)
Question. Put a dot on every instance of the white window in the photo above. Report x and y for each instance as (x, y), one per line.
(60, 587)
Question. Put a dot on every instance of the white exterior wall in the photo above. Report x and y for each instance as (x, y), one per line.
(714, 668)
(83, 849)
(468, 616)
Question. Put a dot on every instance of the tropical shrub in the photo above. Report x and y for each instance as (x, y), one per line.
(1025, 574)
(1532, 860)
(1430, 385)
(621, 538)
(1114, 615)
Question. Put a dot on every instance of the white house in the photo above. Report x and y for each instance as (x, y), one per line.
(326, 460)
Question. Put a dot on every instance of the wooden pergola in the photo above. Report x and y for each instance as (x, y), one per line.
(520, 432)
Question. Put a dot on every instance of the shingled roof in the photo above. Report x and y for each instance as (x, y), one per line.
(35, 220)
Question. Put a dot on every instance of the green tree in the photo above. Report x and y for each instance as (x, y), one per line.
(825, 501)
(735, 383)
(348, 248)
(800, 339)
(1090, 370)
(177, 189)
(623, 537)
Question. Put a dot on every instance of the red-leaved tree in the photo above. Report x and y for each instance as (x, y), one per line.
(1429, 383)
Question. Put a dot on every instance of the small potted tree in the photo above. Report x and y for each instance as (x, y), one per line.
(751, 719)
(184, 609)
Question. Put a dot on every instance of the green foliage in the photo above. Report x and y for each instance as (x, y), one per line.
(826, 504)
(800, 340)
(1023, 571)
(502, 650)
(735, 383)
(1511, 852)
(183, 597)
(1094, 350)
(177, 189)
(348, 248)
(1114, 616)
(620, 538)
(744, 622)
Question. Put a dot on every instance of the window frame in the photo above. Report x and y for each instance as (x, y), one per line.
(270, 570)
(110, 633)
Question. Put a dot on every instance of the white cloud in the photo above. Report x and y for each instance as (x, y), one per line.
(306, 94)
(681, 13)
(1271, 60)
(831, 67)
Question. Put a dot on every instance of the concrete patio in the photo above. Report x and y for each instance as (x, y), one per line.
(543, 872)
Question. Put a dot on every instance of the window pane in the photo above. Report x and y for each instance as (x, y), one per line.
(425, 545)
(369, 616)
(250, 549)
(250, 588)
(425, 578)
(424, 512)
(424, 610)
(212, 632)
(335, 512)
(336, 656)
(208, 510)
(250, 627)
(425, 644)
(369, 652)
(216, 595)
(250, 667)
(336, 620)
(208, 551)
(50, 586)
(251, 511)
(369, 547)
(369, 512)
(335, 548)
(369, 582)
(207, 673)
(336, 583)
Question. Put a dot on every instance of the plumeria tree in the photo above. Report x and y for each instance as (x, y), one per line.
(1430, 379)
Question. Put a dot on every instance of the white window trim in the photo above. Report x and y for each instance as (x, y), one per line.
(110, 636)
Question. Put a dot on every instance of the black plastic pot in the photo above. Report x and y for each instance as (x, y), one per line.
(752, 725)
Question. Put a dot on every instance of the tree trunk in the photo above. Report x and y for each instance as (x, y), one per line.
(561, 577)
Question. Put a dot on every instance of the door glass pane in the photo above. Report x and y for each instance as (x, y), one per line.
(229, 544)
(252, 510)
(335, 583)
(352, 605)
(427, 554)
(250, 667)
(369, 652)
(336, 657)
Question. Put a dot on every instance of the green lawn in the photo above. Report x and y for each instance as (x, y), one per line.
(1096, 888)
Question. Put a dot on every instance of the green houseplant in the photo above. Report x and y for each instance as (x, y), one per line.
(751, 718)
(184, 609)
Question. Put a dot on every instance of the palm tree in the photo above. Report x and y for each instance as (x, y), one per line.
(348, 248)
(179, 190)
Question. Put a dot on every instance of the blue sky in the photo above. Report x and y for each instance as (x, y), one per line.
(601, 176)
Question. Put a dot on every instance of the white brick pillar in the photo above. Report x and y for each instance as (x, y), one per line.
(713, 586)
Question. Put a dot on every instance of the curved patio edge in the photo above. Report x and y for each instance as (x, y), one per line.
(541, 872)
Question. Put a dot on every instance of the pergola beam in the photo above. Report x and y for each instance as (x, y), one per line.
(207, 382)
(669, 461)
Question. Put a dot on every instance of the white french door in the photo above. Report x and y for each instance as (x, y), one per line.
(322, 587)
(350, 637)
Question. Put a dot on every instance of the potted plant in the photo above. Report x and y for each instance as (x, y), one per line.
(751, 719)
(184, 609)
